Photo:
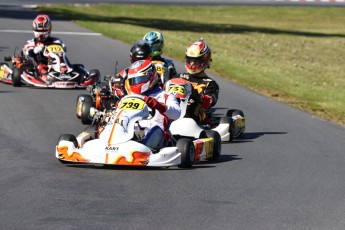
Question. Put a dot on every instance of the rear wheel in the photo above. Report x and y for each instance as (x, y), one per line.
(239, 124)
(79, 103)
(16, 77)
(95, 74)
(85, 117)
(217, 143)
(187, 150)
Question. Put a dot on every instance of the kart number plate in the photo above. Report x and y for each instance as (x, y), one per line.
(132, 104)
(176, 89)
(159, 67)
(2, 72)
(55, 49)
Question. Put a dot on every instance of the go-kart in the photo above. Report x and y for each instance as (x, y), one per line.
(60, 73)
(229, 127)
(119, 141)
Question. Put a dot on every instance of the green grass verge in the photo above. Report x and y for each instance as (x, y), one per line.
(293, 54)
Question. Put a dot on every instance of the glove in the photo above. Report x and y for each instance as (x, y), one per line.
(154, 104)
(119, 92)
(38, 48)
(206, 101)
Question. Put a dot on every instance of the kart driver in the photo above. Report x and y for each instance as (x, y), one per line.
(156, 41)
(34, 48)
(205, 89)
(139, 51)
(143, 79)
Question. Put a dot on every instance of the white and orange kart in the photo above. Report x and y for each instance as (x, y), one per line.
(229, 127)
(119, 143)
(207, 143)
(60, 74)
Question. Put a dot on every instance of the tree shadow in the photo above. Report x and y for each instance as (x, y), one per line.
(17, 12)
(156, 23)
(180, 25)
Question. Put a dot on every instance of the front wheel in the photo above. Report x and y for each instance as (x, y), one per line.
(68, 137)
(187, 150)
(16, 77)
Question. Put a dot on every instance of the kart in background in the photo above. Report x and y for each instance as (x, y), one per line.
(61, 74)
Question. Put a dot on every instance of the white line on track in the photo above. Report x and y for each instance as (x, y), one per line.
(55, 32)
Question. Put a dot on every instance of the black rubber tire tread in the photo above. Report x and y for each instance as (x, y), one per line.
(16, 77)
(85, 110)
(76, 103)
(186, 145)
(68, 137)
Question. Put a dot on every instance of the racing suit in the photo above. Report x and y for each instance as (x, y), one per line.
(204, 96)
(165, 67)
(35, 49)
(157, 129)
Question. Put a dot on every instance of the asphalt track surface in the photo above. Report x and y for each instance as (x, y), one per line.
(287, 172)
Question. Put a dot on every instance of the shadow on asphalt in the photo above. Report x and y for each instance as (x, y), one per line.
(199, 165)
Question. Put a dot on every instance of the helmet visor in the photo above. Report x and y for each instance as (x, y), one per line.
(138, 79)
(195, 60)
(41, 34)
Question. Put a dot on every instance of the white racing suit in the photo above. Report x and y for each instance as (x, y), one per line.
(33, 45)
(157, 129)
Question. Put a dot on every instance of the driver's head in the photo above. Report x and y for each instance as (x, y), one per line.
(42, 27)
(142, 76)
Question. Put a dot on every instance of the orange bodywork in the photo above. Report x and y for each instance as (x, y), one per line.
(136, 159)
(75, 157)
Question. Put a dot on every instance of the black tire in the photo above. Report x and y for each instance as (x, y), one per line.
(86, 119)
(95, 73)
(68, 137)
(217, 143)
(186, 147)
(238, 132)
(16, 77)
(93, 130)
(78, 104)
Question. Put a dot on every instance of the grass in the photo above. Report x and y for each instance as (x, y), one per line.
(293, 54)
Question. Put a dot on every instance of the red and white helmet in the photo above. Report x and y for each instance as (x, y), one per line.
(42, 27)
(142, 76)
(198, 57)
